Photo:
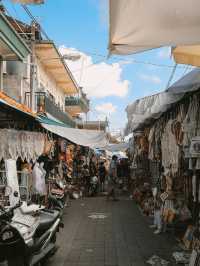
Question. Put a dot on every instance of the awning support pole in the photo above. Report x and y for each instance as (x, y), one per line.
(1, 74)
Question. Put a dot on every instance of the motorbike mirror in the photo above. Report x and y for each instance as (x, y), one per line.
(8, 191)
(16, 194)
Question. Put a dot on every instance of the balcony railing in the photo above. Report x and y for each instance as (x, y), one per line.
(43, 105)
(81, 101)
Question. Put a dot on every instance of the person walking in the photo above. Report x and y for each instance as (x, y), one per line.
(157, 223)
(102, 175)
(93, 166)
(86, 178)
(112, 178)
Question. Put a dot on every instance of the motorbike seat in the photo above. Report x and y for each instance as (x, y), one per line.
(47, 219)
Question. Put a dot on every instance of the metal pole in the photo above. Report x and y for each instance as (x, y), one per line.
(32, 69)
(1, 74)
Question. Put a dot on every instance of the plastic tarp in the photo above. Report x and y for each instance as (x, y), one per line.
(87, 138)
(139, 25)
(143, 111)
(190, 82)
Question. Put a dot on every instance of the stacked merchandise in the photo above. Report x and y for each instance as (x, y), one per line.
(142, 192)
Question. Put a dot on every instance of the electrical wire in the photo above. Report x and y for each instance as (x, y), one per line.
(132, 60)
(97, 54)
(171, 76)
(35, 20)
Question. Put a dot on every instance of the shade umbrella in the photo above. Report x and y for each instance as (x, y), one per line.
(139, 25)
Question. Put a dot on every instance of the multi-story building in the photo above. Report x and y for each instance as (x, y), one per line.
(43, 82)
(12, 46)
(36, 75)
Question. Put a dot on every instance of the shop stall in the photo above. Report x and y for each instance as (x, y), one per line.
(166, 127)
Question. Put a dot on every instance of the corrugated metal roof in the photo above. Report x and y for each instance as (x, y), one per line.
(12, 103)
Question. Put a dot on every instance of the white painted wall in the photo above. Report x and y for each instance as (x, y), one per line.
(49, 84)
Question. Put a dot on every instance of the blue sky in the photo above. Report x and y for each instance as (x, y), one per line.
(82, 25)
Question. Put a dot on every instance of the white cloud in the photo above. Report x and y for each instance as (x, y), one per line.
(150, 78)
(98, 80)
(106, 108)
(164, 53)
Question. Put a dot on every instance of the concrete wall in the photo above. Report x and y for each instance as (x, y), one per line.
(16, 79)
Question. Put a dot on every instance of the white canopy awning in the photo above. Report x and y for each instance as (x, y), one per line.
(139, 25)
(143, 111)
(87, 138)
(123, 146)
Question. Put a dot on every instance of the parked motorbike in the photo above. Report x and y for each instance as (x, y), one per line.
(58, 194)
(93, 190)
(27, 234)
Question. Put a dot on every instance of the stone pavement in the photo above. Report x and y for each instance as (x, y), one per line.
(115, 234)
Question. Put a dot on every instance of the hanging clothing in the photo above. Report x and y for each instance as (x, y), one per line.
(39, 179)
(194, 187)
(92, 168)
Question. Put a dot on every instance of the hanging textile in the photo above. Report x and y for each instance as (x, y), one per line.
(39, 179)
(25, 144)
(12, 181)
(170, 150)
(151, 143)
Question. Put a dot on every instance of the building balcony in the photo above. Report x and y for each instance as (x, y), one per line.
(12, 45)
(44, 105)
(77, 104)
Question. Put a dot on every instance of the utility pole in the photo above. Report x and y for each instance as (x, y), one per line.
(2, 9)
(1, 74)
(32, 68)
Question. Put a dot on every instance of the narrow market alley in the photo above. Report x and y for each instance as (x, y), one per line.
(99, 233)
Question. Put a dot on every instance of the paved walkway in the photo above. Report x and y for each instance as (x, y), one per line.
(115, 234)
